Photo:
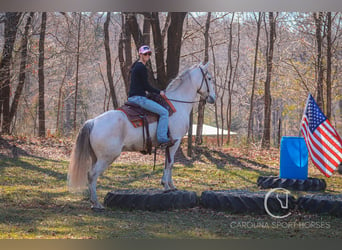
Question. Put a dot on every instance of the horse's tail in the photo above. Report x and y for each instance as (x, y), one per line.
(82, 158)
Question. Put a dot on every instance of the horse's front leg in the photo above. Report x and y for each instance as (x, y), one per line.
(166, 180)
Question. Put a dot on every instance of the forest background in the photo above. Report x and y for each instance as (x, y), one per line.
(59, 69)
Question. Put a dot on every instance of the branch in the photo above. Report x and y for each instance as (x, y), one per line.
(299, 74)
(166, 27)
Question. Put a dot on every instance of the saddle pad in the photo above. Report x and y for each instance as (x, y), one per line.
(135, 113)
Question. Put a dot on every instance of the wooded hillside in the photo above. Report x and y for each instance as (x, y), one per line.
(59, 69)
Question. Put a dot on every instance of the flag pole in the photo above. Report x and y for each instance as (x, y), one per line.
(306, 106)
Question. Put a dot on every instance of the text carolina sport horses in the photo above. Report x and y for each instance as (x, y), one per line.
(102, 139)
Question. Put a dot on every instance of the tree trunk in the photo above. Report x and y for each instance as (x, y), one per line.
(159, 50)
(229, 87)
(174, 31)
(125, 52)
(139, 38)
(109, 62)
(128, 53)
(174, 42)
(329, 55)
(215, 86)
(267, 111)
(250, 119)
(22, 70)
(147, 29)
(41, 112)
(231, 84)
(201, 105)
(77, 69)
(60, 95)
(11, 23)
(133, 25)
(319, 64)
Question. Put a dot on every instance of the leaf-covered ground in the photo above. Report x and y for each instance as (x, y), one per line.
(35, 201)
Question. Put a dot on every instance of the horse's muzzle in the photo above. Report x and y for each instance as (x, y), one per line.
(211, 99)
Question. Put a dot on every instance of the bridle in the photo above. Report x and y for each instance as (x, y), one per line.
(204, 79)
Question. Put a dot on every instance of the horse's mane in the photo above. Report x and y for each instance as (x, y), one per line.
(174, 84)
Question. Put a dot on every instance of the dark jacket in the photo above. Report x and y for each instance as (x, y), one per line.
(139, 81)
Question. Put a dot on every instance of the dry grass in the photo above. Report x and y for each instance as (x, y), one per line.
(35, 203)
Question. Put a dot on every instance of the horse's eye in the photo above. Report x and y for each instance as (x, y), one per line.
(209, 78)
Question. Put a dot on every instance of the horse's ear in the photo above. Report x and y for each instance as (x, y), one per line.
(206, 65)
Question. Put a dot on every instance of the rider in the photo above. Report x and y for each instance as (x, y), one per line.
(137, 94)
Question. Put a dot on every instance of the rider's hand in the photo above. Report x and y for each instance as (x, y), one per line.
(162, 92)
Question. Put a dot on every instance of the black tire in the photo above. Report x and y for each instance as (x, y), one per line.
(150, 199)
(339, 169)
(321, 204)
(310, 184)
(240, 201)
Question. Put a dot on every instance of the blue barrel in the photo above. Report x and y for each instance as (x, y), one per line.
(293, 158)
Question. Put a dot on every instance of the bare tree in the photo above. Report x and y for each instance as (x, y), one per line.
(232, 78)
(174, 42)
(109, 62)
(201, 105)
(41, 80)
(77, 67)
(147, 29)
(22, 70)
(269, 60)
(125, 51)
(250, 118)
(60, 94)
(130, 28)
(158, 39)
(318, 17)
(137, 34)
(11, 27)
(329, 62)
(295, 55)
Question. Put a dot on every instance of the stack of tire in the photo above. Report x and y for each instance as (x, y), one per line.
(312, 203)
(150, 199)
(243, 201)
(234, 201)
(310, 184)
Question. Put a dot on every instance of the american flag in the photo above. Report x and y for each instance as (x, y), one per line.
(322, 140)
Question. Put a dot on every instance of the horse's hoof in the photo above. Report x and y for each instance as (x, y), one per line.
(170, 190)
(98, 209)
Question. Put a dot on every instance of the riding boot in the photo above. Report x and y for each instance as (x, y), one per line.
(169, 143)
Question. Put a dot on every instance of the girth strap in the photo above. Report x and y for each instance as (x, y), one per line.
(147, 141)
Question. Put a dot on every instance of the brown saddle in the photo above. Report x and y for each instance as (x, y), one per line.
(140, 117)
(135, 113)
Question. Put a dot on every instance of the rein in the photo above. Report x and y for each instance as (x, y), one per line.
(174, 100)
(204, 79)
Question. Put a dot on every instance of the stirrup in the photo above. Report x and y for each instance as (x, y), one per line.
(170, 143)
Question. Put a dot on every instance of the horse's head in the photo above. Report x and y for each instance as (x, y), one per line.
(205, 88)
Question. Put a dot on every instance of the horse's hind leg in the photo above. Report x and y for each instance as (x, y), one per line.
(98, 168)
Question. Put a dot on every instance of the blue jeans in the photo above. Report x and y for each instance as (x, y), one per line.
(156, 108)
